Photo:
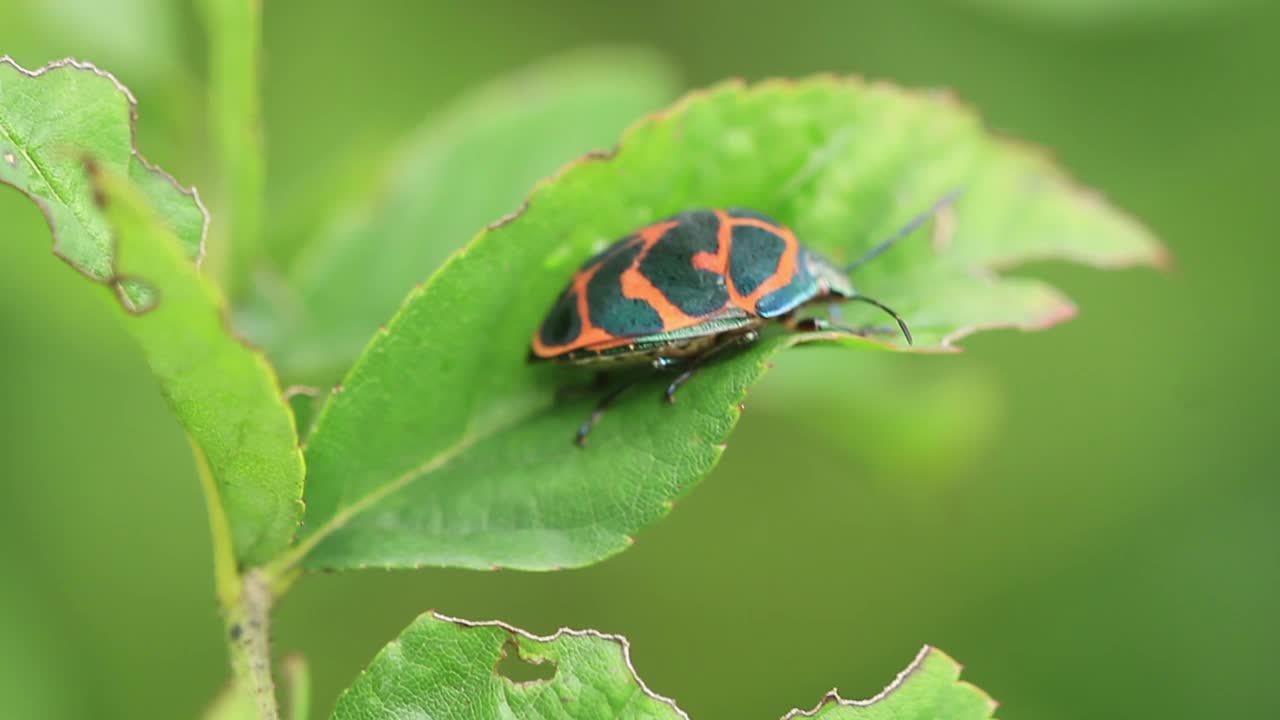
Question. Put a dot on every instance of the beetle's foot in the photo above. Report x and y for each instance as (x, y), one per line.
(670, 393)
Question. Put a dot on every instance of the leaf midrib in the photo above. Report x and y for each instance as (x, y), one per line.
(436, 462)
(44, 174)
(468, 441)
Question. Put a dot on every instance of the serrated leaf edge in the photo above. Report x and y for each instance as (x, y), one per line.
(191, 192)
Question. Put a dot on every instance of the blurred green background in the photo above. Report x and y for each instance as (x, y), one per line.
(1086, 518)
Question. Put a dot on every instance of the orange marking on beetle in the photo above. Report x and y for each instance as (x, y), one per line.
(781, 277)
(718, 261)
(589, 334)
(638, 287)
(708, 261)
(725, 240)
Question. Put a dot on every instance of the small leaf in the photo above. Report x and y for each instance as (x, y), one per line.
(223, 392)
(446, 448)
(468, 166)
(53, 117)
(52, 122)
(442, 667)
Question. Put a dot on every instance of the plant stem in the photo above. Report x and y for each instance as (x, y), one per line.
(249, 639)
(246, 605)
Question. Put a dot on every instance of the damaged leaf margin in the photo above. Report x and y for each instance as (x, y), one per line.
(223, 392)
(442, 666)
(929, 687)
(81, 236)
(67, 142)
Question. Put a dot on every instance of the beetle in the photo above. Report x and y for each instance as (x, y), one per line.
(680, 292)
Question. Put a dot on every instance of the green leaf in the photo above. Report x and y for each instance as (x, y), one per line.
(928, 689)
(52, 122)
(452, 669)
(234, 28)
(464, 168)
(444, 447)
(223, 392)
(50, 119)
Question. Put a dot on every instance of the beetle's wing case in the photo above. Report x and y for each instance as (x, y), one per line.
(663, 279)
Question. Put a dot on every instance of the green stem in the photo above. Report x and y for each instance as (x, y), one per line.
(234, 30)
(249, 640)
(246, 605)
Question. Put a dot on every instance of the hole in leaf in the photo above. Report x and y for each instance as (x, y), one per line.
(520, 671)
(136, 296)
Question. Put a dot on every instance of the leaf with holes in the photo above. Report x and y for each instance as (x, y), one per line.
(442, 667)
(50, 119)
(445, 447)
(54, 121)
(472, 163)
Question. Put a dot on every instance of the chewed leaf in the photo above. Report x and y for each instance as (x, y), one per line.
(446, 668)
(442, 667)
(223, 392)
(929, 689)
(469, 165)
(58, 121)
(52, 118)
(446, 448)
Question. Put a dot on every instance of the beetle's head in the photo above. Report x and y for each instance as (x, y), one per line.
(832, 280)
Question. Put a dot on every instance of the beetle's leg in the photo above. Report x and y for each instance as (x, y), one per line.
(728, 342)
(581, 438)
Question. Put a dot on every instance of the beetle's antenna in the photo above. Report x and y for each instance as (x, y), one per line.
(906, 230)
(906, 332)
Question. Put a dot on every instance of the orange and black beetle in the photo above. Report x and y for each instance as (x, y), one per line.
(681, 291)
